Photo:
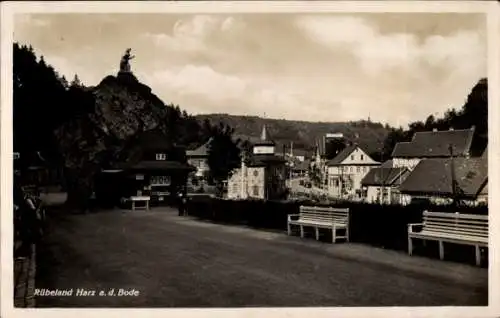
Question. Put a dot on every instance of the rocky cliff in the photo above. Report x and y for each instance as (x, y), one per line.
(119, 108)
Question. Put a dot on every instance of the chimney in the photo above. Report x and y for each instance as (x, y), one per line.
(434, 129)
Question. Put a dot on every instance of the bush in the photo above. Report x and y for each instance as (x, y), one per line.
(374, 224)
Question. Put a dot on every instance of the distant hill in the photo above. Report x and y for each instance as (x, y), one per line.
(304, 135)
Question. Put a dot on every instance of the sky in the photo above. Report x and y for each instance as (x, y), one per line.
(393, 68)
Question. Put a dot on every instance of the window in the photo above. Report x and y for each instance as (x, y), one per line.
(337, 182)
(255, 173)
(358, 169)
(352, 157)
(161, 156)
(160, 180)
(362, 157)
(255, 190)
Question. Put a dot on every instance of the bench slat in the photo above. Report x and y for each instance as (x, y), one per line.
(453, 215)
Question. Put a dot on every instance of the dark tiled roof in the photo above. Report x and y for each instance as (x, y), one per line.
(428, 144)
(433, 176)
(201, 151)
(384, 176)
(153, 140)
(387, 164)
(156, 165)
(342, 155)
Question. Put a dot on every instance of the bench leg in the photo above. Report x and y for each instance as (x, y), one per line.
(133, 205)
(347, 234)
(289, 229)
(317, 234)
(147, 205)
(334, 234)
(478, 256)
(410, 246)
(301, 231)
(441, 250)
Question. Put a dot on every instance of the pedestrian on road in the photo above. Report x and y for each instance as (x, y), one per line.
(182, 203)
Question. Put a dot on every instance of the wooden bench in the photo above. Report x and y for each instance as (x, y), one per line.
(455, 228)
(330, 218)
(144, 199)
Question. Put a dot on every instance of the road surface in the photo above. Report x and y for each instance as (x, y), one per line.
(172, 261)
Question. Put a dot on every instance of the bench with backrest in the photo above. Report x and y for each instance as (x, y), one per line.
(457, 228)
(330, 218)
(142, 199)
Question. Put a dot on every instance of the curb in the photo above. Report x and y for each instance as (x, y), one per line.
(24, 289)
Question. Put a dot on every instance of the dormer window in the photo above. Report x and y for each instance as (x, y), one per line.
(161, 156)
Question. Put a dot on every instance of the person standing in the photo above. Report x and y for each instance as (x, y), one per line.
(182, 203)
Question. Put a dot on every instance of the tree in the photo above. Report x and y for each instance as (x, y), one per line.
(76, 81)
(223, 155)
(473, 113)
(333, 147)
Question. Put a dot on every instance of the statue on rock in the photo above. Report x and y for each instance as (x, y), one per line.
(124, 63)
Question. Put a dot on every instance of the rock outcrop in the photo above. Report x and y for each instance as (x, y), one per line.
(119, 109)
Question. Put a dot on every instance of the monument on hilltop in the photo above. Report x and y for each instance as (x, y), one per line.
(124, 63)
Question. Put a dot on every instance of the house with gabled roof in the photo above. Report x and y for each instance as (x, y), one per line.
(198, 158)
(439, 180)
(346, 170)
(433, 144)
(381, 185)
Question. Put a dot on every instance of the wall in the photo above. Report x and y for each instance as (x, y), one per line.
(256, 182)
(263, 150)
(201, 165)
(355, 167)
(405, 162)
(393, 195)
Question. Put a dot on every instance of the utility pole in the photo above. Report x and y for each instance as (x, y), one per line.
(453, 177)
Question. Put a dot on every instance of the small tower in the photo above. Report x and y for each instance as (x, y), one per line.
(264, 146)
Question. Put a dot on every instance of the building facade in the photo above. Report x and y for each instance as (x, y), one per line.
(160, 171)
(381, 185)
(198, 158)
(347, 170)
(262, 174)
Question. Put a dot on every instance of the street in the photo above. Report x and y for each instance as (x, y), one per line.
(169, 261)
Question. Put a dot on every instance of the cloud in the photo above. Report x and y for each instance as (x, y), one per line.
(31, 20)
(463, 52)
(201, 80)
(194, 34)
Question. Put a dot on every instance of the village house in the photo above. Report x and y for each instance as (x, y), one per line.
(381, 185)
(198, 180)
(432, 144)
(262, 174)
(157, 169)
(346, 171)
(439, 180)
(438, 159)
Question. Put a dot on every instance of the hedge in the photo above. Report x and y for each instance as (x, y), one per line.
(374, 224)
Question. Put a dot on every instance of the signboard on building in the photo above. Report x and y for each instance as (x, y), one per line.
(334, 135)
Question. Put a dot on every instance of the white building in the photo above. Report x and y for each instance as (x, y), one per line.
(381, 185)
(346, 171)
(261, 176)
(199, 159)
